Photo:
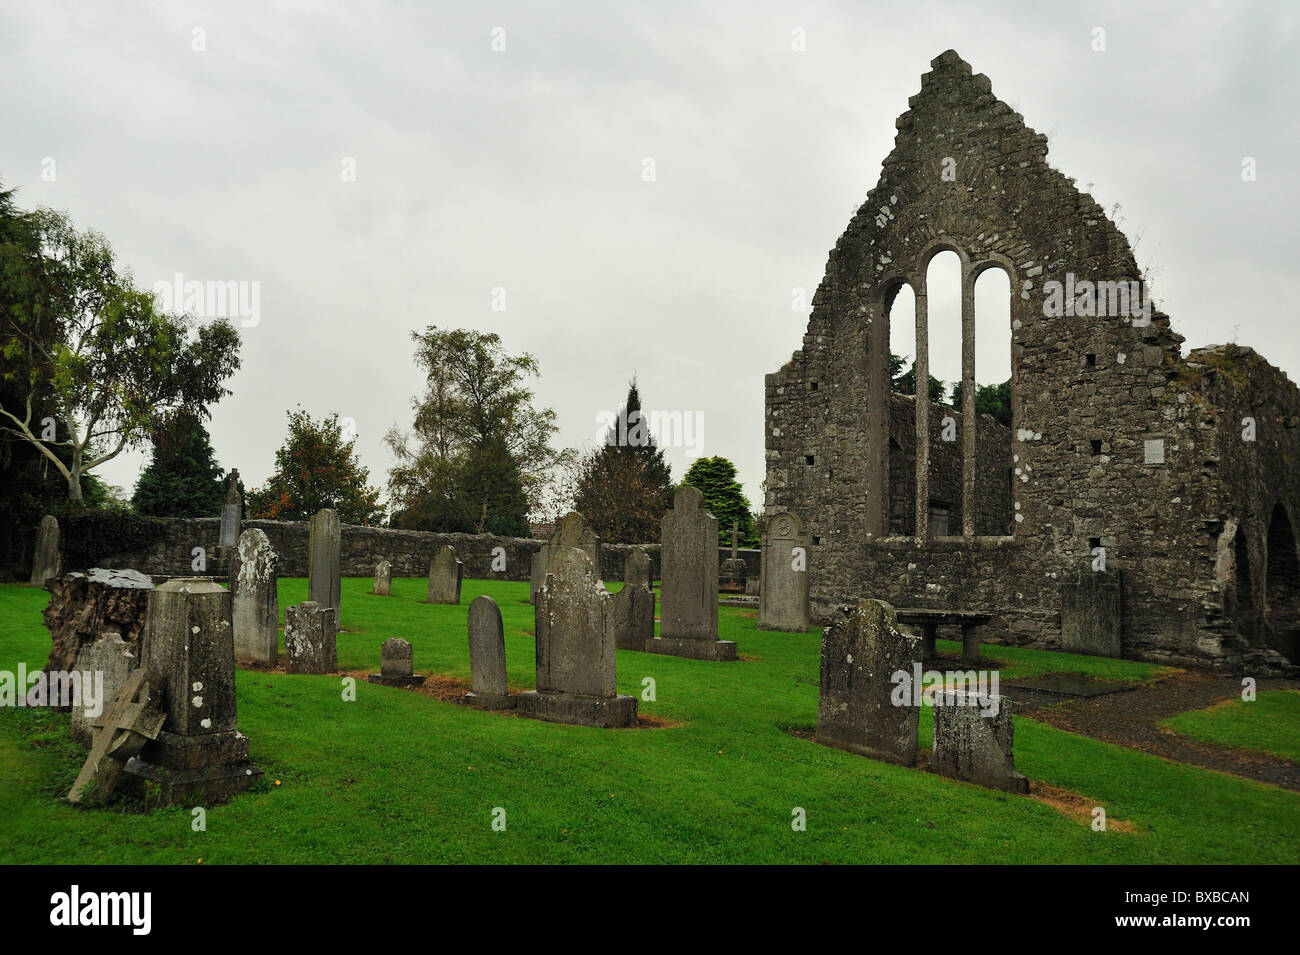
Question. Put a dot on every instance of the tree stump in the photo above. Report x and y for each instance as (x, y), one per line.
(85, 606)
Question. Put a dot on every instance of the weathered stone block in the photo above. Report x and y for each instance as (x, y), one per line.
(634, 617)
(856, 707)
(396, 664)
(973, 739)
(445, 575)
(310, 639)
(256, 602)
(324, 585)
(113, 660)
(1090, 614)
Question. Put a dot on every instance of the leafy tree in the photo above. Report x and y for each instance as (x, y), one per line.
(992, 400)
(904, 383)
(183, 479)
(316, 467)
(79, 338)
(479, 450)
(625, 486)
(723, 495)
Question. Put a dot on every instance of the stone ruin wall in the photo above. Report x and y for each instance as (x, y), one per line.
(1159, 523)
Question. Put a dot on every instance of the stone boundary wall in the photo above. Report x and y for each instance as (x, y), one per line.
(409, 552)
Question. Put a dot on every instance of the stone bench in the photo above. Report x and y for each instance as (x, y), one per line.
(970, 621)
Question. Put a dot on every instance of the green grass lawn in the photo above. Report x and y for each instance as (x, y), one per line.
(398, 776)
(1269, 724)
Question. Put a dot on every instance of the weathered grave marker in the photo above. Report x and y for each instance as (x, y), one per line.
(445, 576)
(46, 558)
(688, 624)
(783, 594)
(256, 604)
(396, 664)
(487, 657)
(325, 540)
(310, 639)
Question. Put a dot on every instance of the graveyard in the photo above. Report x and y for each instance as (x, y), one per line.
(718, 762)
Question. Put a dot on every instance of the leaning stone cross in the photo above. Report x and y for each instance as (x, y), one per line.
(131, 720)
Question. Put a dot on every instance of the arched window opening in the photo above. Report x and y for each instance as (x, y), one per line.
(1282, 585)
(994, 492)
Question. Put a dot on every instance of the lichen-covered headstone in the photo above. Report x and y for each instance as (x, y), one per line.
(487, 657)
(46, 559)
(783, 594)
(688, 590)
(576, 680)
(383, 579)
(256, 604)
(634, 617)
(636, 568)
(856, 707)
(396, 664)
(445, 576)
(310, 636)
(325, 540)
(973, 737)
(200, 755)
(112, 659)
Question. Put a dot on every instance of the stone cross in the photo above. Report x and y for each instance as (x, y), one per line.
(133, 718)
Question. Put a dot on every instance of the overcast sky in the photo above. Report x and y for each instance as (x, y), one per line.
(524, 169)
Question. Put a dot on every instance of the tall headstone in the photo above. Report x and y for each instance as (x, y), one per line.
(256, 604)
(232, 513)
(973, 739)
(200, 755)
(636, 568)
(856, 707)
(634, 617)
(1090, 614)
(325, 540)
(310, 639)
(113, 659)
(575, 649)
(783, 593)
(383, 579)
(445, 576)
(396, 664)
(537, 573)
(688, 588)
(46, 559)
(731, 579)
(489, 689)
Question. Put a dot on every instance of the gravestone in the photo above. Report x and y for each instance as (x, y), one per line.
(232, 513)
(489, 689)
(753, 586)
(114, 659)
(445, 576)
(572, 531)
(634, 617)
(1090, 613)
(325, 539)
(537, 573)
(310, 639)
(256, 604)
(855, 706)
(46, 558)
(636, 568)
(396, 664)
(576, 680)
(132, 718)
(200, 755)
(383, 579)
(688, 587)
(731, 579)
(783, 594)
(973, 740)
